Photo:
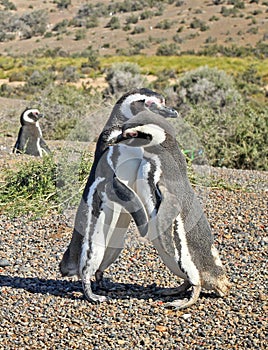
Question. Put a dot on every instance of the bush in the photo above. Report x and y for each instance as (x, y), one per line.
(40, 185)
(168, 50)
(114, 23)
(32, 185)
(138, 30)
(132, 19)
(232, 131)
(234, 139)
(67, 108)
(38, 80)
(8, 5)
(62, 4)
(123, 77)
(197, 23)
(209, 86)
(165, 24)
(80, 34)
(70, 74)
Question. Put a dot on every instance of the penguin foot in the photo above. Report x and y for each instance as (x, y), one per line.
(99, 278)
(90, 296)
(182, 304)
(174, 291)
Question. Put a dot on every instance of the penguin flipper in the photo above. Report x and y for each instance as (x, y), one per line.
(44, 146)
(168, 210)
(19, 145)
(122, 194)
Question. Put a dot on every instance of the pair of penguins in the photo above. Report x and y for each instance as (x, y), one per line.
(30, 139)
(140, 173)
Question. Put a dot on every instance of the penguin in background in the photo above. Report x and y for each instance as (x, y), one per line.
(30, 139)
(177, 225)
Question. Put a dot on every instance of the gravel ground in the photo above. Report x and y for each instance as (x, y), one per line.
(41, 310)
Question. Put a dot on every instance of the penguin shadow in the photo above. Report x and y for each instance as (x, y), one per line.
(35, 285)
(119, 290)
(73, 289)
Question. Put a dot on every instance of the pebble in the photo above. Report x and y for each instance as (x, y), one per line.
(41, 310)
(4, 263)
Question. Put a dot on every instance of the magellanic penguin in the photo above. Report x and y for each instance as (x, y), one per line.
(30, 140)
(90, 207)
(178, 227)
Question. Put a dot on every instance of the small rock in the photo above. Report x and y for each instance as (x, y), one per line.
(160, 328)
(4, 263)
(186, 316)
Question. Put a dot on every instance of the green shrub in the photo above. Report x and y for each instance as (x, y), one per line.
(64, 107)
(80, 34)
(38, 80)
(8, 5)
(138, 30)
(132, 19)
(123, 77)
(168, 50)
(165, 24)
(62, 4)
(114, 23)
(232, 131)
(234, 139)
(40, 185)
(32, 186)
(208, 86)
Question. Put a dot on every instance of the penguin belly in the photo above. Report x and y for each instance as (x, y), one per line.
(128, 163)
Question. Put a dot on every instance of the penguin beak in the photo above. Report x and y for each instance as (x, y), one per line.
(40, 115)
(117, 139)
(164, 111)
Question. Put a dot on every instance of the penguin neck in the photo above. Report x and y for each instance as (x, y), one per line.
(39, 129)
(118, 117)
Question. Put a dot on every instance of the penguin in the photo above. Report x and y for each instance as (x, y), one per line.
(82, 250)
(30, 140)
(178, 227)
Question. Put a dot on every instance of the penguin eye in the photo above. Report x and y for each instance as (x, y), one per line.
(131, 134)
(149, 103)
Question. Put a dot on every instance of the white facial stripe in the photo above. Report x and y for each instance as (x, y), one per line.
(26, 117)
(125, 108)
(114, 134)
(187, 263)
(158, 134)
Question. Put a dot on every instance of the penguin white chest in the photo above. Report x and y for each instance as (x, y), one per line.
(127, 164)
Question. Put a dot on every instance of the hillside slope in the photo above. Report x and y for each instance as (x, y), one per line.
(181, 26)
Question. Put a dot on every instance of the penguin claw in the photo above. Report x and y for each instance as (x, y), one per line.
(178, 304)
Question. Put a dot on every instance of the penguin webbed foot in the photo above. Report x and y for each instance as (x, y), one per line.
(100, 281)
(90, 296)
(174, 291)
(184, 303)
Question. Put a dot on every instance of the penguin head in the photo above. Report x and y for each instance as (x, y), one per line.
(143, 99)
(144, 130)
(30, 116)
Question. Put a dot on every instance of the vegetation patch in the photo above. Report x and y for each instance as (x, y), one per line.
(40, 185)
